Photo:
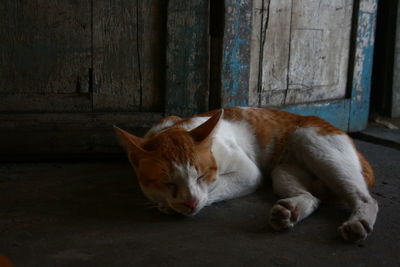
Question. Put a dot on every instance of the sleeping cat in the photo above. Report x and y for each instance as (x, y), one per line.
(186, 164)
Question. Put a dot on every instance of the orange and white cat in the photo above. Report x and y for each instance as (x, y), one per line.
(186, 164)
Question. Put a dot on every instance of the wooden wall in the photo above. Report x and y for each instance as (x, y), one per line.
(69, 70)
(45, 55)
(82, 56)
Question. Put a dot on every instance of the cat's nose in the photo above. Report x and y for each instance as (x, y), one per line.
(192, 204)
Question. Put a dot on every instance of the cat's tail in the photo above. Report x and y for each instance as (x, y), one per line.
(367, 171)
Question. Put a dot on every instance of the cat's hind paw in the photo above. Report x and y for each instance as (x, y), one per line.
(355, 230)
(283, 215)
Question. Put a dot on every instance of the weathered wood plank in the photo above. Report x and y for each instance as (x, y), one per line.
(66, 135)
(235, 72)
(29, 102)
(187, 73)
(255, 52)
(152, 39)
(363, 59)
(395, 105)
(44, 49)
(116, 65)
(275, 39)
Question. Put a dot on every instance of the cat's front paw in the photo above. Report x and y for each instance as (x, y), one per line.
(165, 209)
(354, 230)
(283, 215)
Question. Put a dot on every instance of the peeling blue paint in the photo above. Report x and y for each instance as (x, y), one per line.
(361, 83)
(335, 112)
(236, 56)
(187, 58)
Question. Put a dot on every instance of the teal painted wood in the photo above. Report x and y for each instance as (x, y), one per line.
(363, 59)
(187, 57)
(335, 112)
(236, 53)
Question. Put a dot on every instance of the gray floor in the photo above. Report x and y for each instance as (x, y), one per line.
(93, 214)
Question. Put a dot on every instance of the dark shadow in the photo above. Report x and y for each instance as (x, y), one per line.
(216, 25)
(382, 73)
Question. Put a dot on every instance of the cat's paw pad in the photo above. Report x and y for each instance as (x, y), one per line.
(354, 230)
(283, 215)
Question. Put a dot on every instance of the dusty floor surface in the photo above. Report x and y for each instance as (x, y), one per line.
(93, 214)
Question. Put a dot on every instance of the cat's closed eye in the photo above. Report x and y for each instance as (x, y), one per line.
(200, 178)
(173, 188)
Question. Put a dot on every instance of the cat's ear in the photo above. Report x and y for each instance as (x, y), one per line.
(132, 145)
(203, 133)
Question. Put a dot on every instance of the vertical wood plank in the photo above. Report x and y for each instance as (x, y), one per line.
(44, 47)
(151, 43)
(256, 52)
(116, 65)
(275, 45)
(187, 73)
(395, 105)
(363, 58)
(236, 53)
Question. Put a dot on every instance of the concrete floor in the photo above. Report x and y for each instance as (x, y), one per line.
(93, 214)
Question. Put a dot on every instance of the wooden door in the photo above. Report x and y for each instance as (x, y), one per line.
(72, 69)
(74, 56)
(308, 57)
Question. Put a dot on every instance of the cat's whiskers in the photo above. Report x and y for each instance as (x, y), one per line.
(149, 205)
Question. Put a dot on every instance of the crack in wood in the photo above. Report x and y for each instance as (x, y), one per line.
(288, 64)
(138, 56)
(263, 34)
(90, 78)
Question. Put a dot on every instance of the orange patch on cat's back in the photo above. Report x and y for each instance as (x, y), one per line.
(269, 126)
(322, 127)
(266, 123)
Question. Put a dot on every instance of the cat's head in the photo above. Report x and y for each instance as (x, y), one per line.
(176, 167)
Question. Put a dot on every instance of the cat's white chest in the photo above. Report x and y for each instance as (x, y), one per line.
(235, 151)
(232, 142)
